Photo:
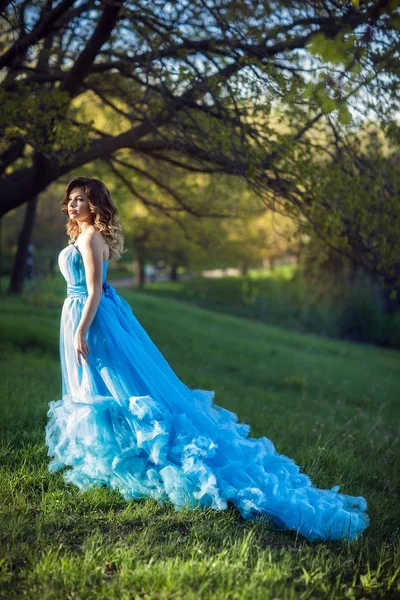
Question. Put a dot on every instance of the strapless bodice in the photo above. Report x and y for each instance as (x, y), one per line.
(71, 265)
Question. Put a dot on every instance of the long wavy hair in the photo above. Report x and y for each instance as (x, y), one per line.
(105, 214)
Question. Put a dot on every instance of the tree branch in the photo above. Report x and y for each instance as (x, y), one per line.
(42, 28)
(84, 62)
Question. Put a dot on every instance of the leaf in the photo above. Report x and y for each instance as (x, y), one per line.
(328, 104)
(334, 51)
(344, 115)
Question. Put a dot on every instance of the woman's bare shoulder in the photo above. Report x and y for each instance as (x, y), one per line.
(93, 234)
(92, 239)
(98, 239)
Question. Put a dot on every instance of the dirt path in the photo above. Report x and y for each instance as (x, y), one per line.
(127, 282)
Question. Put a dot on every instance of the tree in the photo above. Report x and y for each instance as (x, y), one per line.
(177, 235)
(197, 84)
(354, 204)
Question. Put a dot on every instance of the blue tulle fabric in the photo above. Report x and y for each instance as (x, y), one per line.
(127, 421)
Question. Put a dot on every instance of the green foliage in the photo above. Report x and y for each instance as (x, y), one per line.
(338, 50)
(350, 198)
(341, 312)
(225, 224)
(35, 115)
(269, 95)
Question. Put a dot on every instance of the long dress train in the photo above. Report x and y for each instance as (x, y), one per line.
(126, 420)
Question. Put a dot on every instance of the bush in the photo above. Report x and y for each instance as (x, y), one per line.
(333, 308)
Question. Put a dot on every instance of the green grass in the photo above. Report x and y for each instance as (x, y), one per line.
(332, 406)
(283, 297)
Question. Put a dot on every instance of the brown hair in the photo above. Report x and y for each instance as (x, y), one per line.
(105, 213)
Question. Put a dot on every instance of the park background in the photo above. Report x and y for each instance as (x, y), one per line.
(253, 155)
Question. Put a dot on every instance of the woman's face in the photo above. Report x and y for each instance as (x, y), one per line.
(78, 206)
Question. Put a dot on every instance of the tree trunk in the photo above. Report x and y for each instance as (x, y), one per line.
(174, 272)
(24, 239)
(391, 305)
(139, 267)
(244, 267)
(1, 255)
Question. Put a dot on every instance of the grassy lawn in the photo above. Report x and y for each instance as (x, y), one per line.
(332, 406)
(279, 298)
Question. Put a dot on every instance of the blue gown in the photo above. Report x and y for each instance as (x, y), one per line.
(127, 421)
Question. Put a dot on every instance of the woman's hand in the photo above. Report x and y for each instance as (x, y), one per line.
(81, 346)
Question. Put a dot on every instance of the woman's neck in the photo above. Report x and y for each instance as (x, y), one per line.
(85, 227)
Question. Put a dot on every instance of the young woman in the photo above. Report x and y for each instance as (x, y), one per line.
(127, 421)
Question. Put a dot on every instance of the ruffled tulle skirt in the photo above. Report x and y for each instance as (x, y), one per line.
(128, 422)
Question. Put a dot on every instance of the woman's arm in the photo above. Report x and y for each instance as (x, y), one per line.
(91, 249)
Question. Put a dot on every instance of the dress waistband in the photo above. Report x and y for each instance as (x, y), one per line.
(80, 290)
